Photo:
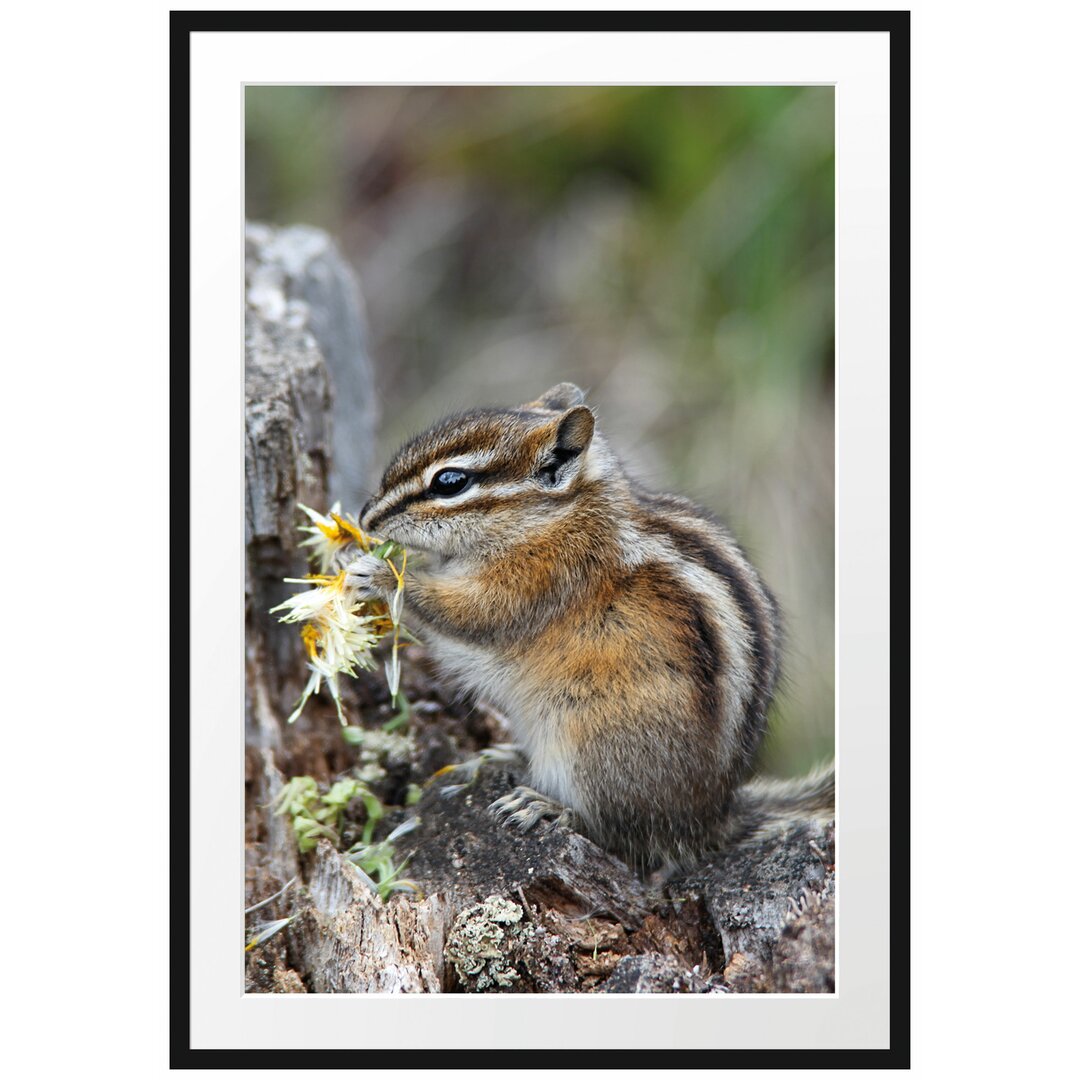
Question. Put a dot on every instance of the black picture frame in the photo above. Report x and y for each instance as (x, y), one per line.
(894, 23)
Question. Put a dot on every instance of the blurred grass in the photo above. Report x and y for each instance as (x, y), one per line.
(670, 248)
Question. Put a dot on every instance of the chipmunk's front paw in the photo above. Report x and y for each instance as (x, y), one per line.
(370, 576)
(464, 773)
(523, 807)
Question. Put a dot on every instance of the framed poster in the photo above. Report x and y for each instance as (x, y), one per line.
(700, 219)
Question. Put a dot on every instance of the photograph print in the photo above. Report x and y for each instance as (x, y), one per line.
(540, 539)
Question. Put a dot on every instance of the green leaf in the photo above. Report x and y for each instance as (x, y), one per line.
(402, 716)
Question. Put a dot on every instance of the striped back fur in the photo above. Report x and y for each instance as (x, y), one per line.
(625, 634)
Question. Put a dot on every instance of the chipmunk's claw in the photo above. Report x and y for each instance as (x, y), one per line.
(523, 808)
(466, 772)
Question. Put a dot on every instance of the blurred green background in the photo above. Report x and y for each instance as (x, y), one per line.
(668, 248)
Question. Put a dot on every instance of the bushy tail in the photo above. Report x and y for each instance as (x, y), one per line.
(764, 806)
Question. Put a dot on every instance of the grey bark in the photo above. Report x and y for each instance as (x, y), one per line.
(287, 457)
(297, 277)
(351, 942)
(494, 910)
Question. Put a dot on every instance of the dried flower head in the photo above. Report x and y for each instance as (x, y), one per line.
(340, 629)
(331, 535)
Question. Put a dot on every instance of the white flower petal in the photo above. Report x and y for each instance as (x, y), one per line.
(339, 634)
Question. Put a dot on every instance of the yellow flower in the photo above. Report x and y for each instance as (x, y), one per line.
(338, 636)
(329, 535)
(340, 630)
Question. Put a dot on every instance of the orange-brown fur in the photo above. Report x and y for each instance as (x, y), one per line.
(625, 635)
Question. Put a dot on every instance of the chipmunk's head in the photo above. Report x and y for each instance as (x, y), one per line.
(488, 478)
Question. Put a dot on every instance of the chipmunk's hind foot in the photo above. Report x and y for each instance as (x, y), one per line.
(523, 808)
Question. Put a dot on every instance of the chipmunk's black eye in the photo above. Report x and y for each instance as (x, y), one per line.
(450, 482)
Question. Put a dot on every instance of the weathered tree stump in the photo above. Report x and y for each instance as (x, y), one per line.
(492, 910)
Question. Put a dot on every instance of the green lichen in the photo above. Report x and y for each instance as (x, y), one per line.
(482, 941)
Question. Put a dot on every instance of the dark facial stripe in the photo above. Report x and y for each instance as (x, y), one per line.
(509, 468)
(371, 524)
(482, 504)
(757, 612)
(461, 433)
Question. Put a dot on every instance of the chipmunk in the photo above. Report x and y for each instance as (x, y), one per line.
(624, 634)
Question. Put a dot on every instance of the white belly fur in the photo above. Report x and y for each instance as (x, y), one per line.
(535, 729)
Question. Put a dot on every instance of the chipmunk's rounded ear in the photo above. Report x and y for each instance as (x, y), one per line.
(564, 396)
(575, 430)
(560, 459)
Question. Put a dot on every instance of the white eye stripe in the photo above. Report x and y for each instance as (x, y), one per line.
(470, 492)
(417, 485)
(484, 491)
(420, 484)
